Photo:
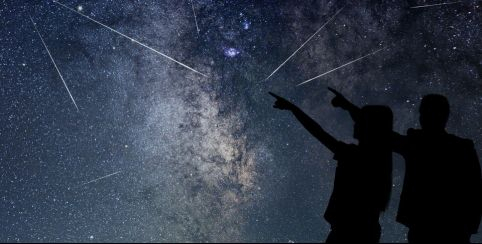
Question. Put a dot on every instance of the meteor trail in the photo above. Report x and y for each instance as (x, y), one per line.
(195, 17)
(432, 5)
(55, 65)
(100, 178)
(130, 38)
(339, 67)
(302, 45)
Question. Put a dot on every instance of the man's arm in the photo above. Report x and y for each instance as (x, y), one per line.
(339, 101)
(399, 142)
(309, 124)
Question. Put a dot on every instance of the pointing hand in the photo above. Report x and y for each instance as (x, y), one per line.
(339, 100)
(281, 103)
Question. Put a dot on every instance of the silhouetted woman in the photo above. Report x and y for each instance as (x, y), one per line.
(363, 178)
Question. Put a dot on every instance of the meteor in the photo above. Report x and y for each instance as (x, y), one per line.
(195, 17)
(55, 65)
(100, 178)
(130, 38)
(437, 4)
(302, 45)
(339, 67)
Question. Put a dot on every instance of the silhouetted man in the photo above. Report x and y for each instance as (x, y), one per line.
(363, 175)
(441, 198)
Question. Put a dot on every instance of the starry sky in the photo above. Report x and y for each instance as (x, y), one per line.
(191, 157)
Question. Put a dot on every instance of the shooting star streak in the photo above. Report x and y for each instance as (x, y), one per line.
(433, 5)
(302, 45)
(130, 38)
(339, 67)
(195, 17)
(100, 178)
(55, 65)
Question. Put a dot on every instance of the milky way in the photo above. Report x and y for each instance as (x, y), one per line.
(206, 158)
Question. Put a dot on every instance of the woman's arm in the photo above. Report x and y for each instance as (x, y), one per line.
(314, 128)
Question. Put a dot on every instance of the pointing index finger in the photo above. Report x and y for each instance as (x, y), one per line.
(274, 95)
(334, 91)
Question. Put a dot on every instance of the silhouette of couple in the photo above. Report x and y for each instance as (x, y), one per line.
(441, 198)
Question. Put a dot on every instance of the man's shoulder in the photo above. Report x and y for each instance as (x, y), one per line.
(449, 141)
(414, 133)
(346, 151)
(460, 140)
(349, 147)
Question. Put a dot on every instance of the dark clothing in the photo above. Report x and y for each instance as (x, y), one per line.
(356, 202)
(359, 233)
(442, 193)
(442, 188)
(424, 235)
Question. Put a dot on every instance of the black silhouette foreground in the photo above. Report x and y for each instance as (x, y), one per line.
(363, 174)
(441, 198)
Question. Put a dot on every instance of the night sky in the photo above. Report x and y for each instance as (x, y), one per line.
(206, 158)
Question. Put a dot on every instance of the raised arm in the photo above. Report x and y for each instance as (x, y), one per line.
(339, 101)
(399, 142)
(309, 124)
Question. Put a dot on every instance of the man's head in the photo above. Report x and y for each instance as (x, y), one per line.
(434, 112)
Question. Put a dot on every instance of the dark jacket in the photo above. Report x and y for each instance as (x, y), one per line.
(357, 195)
(443, 185)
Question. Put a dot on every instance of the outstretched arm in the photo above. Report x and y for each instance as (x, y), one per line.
(309, 124)
(340, 101)
(399, 142)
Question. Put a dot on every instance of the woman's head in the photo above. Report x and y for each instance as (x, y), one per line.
(374, 125)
